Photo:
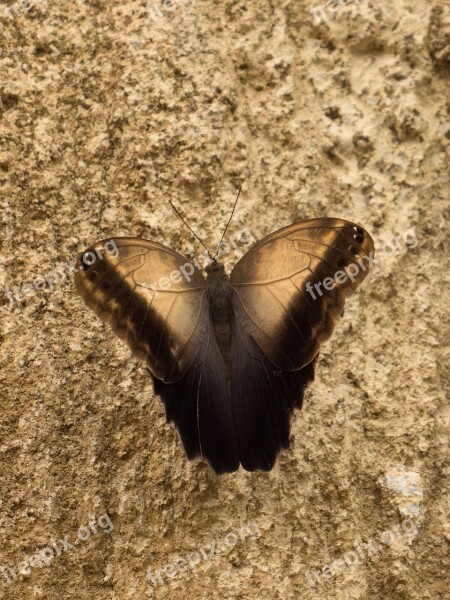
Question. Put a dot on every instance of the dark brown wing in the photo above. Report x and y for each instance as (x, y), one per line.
(163, 325)
(171, 331)
(278, 325)
(198, 405)
(263, 399)
(280, 286)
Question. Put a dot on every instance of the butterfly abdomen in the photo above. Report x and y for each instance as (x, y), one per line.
(218, 289)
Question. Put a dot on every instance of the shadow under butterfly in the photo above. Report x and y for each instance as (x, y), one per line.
(230, 357)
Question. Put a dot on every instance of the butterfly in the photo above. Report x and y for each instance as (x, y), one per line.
(230, 356)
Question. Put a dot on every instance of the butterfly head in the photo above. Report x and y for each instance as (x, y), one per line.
(215, 267)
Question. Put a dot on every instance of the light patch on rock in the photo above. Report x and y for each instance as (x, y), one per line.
(406, 487)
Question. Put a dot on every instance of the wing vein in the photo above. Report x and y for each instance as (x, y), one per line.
(163, 329)
(286, 312)
(256, 324)
(287, 276)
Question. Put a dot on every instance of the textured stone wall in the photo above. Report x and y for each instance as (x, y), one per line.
(108, 109)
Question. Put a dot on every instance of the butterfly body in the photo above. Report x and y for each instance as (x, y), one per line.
(219, 291)
(231, 357)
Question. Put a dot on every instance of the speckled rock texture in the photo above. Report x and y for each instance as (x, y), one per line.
(108, 109)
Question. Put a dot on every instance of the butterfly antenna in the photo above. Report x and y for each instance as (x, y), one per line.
(229, 221)
(191, 230)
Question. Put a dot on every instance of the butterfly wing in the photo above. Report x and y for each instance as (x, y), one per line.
(278, 326)
(142, 292)
(199, 407)
(164, 317)
(287, 290)
(263, 399)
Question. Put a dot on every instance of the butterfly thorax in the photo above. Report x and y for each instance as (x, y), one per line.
(218, 289)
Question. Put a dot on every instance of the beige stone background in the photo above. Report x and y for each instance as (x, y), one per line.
(107, 113)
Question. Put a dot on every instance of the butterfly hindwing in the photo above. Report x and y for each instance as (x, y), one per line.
(199, 407)
(263, 399)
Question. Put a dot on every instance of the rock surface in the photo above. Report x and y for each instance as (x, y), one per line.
(107, 110)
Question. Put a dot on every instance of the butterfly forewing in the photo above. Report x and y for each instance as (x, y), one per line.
(274, 283)
(142, 293)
